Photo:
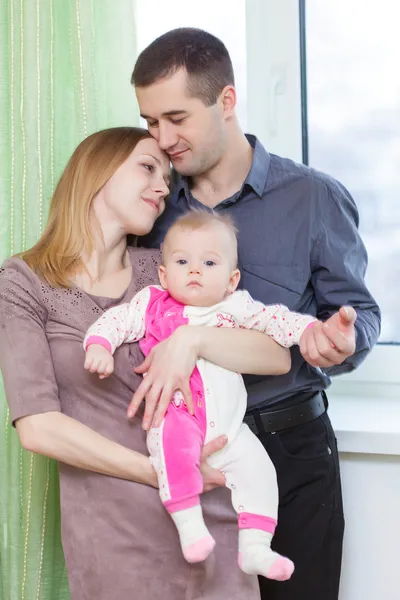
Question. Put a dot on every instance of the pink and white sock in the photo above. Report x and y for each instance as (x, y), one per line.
(196, 541)
(257, 558)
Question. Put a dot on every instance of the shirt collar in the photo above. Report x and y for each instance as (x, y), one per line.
(256, 178)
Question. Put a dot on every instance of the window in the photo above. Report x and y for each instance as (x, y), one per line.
(353, 97)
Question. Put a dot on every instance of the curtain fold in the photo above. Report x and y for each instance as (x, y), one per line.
(65, 69)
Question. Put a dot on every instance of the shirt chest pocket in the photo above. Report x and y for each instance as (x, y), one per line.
(273, 283)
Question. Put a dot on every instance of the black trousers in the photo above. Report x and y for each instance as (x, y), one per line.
(310, 518)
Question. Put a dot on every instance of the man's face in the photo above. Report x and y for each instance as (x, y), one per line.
(192, 134)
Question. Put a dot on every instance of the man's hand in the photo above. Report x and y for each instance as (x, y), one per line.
(168, 368)
(99, 360)
(330, 343)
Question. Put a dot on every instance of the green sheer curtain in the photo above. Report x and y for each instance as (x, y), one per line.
(65, 68)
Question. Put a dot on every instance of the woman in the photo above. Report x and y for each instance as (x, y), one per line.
(117, 539)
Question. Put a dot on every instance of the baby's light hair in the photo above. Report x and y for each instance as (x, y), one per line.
(197, 218)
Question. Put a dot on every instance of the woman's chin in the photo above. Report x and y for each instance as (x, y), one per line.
(141, 229)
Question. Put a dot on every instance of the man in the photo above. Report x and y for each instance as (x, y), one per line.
(299, 246)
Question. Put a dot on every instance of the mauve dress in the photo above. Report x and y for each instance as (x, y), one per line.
(118, 540)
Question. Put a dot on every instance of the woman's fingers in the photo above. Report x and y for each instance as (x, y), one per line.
(213, 446)
(138, 397)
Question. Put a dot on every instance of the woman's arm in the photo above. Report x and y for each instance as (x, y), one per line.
(170, 364)
(60, 437)
(69, 441)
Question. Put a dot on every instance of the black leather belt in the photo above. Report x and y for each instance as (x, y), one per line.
(308, 408)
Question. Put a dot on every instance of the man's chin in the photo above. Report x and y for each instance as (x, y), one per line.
(184, 170)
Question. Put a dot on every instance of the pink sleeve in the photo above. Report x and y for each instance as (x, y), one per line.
(276, 320)
(120, 324)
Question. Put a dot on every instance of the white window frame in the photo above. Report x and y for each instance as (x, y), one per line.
(274, 115)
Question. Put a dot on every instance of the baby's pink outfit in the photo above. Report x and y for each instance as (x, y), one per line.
(219, 396)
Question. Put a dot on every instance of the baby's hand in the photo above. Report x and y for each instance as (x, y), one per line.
(99, 360)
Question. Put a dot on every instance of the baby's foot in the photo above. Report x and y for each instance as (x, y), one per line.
(196, 541)
(199, 551)
(257, 558)
(260, 560)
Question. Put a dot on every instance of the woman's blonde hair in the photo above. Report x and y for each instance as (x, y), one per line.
(69, 231)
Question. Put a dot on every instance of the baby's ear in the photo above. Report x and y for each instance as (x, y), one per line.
(234, 281)
(162, 276)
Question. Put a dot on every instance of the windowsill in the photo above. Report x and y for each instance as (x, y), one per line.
(364, 405)
(366, 425)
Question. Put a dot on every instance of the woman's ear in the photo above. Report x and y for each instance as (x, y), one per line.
(234, 281)
(162, 276)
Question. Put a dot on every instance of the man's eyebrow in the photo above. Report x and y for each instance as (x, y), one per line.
(169, 113)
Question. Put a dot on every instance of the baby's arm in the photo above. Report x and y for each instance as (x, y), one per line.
(120, 324)
(276, 320)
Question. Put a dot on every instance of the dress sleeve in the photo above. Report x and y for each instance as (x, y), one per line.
(25, 359)
(120, 324)
(276, 320)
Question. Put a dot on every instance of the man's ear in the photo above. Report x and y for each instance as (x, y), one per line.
(162, 276)
(233, 281)
(228, 99)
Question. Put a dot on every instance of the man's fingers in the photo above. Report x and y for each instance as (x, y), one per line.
(347, 315)
(310, 348)
(345, 344)
(213, 446)
(312, 351)
(325, 347)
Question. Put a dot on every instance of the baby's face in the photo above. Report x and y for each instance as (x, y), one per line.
(199, 265)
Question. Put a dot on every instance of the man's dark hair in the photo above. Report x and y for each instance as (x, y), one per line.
(203, 56)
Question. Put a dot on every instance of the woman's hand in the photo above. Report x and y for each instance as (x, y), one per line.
(168, 368)
(212, 478)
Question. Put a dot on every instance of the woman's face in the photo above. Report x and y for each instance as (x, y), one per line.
(134, 196)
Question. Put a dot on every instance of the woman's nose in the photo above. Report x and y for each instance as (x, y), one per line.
(161, 189)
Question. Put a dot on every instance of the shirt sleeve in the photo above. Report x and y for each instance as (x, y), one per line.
(25, 358)
(338, 265)
(276, 320)
(120, 324)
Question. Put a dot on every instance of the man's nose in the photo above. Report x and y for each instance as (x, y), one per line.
(167, 137)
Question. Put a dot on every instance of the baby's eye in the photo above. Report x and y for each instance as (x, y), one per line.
(209, 263)
(149, 168)
(181, 261)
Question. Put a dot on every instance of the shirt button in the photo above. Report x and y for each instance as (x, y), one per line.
(241, 508)
(212, 424)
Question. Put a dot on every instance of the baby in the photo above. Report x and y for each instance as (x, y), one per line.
(198, 279)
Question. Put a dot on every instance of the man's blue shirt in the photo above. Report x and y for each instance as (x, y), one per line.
(298, 245)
